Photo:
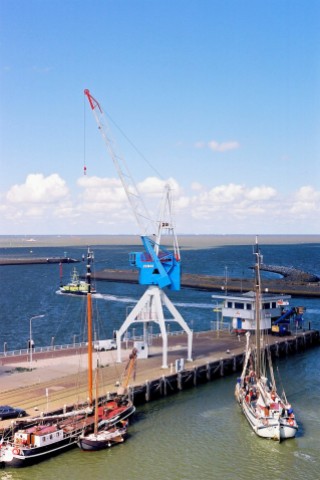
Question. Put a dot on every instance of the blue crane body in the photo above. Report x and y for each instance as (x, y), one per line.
(161, 269)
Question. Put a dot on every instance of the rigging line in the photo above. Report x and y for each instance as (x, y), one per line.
(133, 146)
(283, 391)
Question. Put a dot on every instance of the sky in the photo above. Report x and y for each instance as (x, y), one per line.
(220, 99)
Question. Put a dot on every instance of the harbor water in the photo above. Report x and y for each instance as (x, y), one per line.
(198, 433)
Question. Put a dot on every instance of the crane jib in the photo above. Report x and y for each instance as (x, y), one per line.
(93, 102)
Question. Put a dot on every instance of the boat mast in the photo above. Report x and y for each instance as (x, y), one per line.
(258, 308)
(96, 413)
(89, 319)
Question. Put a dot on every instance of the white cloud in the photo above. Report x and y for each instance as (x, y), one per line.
(39, 199)
(101, 191)
(224, 146)
(218, 147)
(225, 193)
(200, 144)
(38, 189)
(196, 186)
(155, 187)
(261, 193)
(228, 204)
(45, 205)
(181, 203)
(306, 201)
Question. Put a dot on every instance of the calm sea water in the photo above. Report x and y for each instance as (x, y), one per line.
(199, 433)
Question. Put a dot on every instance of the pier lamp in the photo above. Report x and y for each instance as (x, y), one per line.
(31, 340)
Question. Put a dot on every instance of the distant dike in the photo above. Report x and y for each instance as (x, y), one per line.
(186, 241)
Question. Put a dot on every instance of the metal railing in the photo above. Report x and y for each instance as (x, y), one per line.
(50, 348)
(221, 326)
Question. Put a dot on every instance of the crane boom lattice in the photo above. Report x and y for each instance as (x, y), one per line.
(143, 219)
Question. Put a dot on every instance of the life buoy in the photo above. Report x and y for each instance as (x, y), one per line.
(291, 422)
(16, 451)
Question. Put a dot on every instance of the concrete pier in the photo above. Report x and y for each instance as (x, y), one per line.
(231, 361)
(215, 355)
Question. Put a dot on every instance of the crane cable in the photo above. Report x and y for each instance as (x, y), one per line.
(133, 145)
(84, 138)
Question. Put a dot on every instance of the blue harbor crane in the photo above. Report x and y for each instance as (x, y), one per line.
(158, 267)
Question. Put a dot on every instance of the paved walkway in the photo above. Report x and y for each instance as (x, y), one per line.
(24, 385)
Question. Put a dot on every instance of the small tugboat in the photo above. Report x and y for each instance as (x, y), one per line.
(269, 414)
(77, 286)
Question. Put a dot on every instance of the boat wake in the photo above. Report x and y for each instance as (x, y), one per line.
(58, 292)
(115, 298)
(314, 311)
(305, 456)
(195, 305)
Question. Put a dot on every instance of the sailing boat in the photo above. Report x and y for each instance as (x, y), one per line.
(110, 425)
(269, 414)
(40, 438)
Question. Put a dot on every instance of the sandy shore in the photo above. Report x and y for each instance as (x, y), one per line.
(185, 241)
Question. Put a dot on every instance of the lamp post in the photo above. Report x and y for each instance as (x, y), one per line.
(226, 279)
(30, 340)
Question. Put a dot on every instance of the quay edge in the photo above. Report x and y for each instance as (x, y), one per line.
(212, 360)
(229, 364)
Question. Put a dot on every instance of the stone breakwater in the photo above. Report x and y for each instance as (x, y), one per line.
(35, 261)
(290, 286)
(291, 274)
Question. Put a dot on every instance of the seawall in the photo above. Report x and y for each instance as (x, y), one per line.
(228, 364)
